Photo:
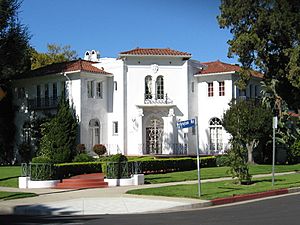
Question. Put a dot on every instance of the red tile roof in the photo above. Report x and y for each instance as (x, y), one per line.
(155, 52)
(221, 67)
(70, 66)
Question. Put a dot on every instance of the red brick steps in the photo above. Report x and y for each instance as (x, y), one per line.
(94, 180)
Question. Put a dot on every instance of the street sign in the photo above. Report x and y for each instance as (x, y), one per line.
(186, 124)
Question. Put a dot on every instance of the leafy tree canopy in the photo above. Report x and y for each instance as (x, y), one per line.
(55, 54)
(14, 60)
(247, 122)
(266, 36)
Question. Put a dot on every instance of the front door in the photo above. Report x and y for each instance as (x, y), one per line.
(154, 132)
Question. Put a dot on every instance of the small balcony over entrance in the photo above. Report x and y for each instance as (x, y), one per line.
(157, 99)
(43, 103)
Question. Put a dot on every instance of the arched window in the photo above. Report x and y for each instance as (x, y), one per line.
(94, 132)
(160, 87)
(148, 87)
(215, 134)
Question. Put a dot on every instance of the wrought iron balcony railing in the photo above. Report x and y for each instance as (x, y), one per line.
(43, 103)
(157, 99)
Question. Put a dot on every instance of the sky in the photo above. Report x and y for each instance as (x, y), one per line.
(113, 26)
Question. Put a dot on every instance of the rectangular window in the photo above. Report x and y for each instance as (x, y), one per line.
(46, 94)
(115, 128)
(256, 91)
(210, 89)
(54, 90)
(193, 87)
(63, 88)
(90, 89)
(99, 90)
(222, 88)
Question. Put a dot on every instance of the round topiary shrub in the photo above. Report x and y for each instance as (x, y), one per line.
(83, 157)
(99, 149)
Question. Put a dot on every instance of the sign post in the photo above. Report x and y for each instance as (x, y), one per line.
(275, 121)
(187, 124)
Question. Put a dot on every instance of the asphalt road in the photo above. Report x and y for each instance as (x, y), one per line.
(277, 211)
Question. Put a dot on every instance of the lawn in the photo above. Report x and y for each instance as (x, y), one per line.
(14, 195)
(9, 176)
(221, 189)
(214, 172)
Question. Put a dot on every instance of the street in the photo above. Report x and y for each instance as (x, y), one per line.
(276, 211)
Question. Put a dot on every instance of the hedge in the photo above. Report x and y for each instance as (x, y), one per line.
(65, 170)
(173, 164)
(146, 166)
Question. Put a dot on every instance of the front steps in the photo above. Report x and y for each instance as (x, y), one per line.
(94, 180)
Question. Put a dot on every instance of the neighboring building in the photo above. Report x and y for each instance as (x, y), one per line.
(132, 103)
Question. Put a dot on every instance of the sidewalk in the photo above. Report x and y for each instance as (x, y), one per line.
(111, 200)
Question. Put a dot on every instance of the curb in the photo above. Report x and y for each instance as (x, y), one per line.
(246, 197)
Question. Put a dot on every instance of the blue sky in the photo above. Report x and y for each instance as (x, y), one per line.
(113, 26)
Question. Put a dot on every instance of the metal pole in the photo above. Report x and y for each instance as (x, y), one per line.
(198, 159)
(273, 158)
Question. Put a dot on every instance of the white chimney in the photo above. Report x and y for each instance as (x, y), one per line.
(92, 55)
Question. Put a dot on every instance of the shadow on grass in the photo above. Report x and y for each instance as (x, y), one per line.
(8, 178)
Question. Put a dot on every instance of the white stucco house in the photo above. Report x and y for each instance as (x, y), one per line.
(132, 103)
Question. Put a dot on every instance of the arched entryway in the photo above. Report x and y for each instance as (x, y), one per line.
(154, 135)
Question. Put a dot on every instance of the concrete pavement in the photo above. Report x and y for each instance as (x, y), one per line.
(111, 200)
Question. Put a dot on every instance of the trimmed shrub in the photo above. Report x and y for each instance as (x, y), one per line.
(99, 149)
(80, 148)
(42, 171)
(117, 167)
(41, 159)
(65, 170)
(222, 160)
(83, 157)
(294, 153)
(117, 158)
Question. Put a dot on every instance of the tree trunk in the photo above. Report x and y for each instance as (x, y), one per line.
(250, 147)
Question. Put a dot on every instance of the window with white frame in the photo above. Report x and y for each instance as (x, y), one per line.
(221, 88)
(90, 89)
(115, 128)
(215, 134)
(99, 90)
(210, 89)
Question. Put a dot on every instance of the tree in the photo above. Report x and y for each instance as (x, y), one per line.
(266, 36)
(14, 60)
(55, 54)
(247, 122)
(58, 142)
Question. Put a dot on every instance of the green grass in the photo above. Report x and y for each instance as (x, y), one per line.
(214, 172)
(9, 176)
(14, 195)
(221, 189)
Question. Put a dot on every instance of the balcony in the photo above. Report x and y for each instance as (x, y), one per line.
(157, 99)
(43, 103)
